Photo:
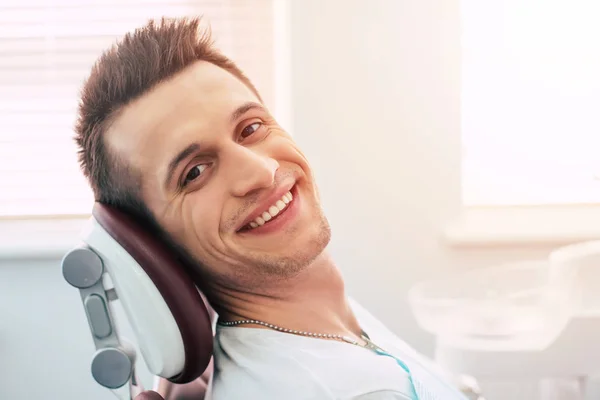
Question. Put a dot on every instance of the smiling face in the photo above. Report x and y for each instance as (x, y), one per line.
(221, 177)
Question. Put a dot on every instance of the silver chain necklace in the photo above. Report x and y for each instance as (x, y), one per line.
(369, 344)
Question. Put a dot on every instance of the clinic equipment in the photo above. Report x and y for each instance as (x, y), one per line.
(530, 320)
(170, 320)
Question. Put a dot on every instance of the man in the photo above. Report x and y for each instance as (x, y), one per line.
(171, 131)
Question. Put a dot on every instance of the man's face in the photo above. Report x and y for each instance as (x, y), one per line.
(218, 173)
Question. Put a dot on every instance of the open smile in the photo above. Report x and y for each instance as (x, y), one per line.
(274, 216)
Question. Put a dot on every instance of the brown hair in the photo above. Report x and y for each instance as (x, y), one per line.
(123, 73)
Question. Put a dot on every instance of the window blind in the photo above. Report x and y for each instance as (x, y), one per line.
(47, 48)
(530, 101)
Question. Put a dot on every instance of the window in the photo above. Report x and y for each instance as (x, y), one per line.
(530, 102)
(47, 48)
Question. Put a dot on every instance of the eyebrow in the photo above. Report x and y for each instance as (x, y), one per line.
(244, 108)
(182, 155)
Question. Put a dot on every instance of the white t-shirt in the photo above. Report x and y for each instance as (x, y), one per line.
(253, 364)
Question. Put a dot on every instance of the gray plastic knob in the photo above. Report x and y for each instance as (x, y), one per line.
(82, 268)
(111, 368)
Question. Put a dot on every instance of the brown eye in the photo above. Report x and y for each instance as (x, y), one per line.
(250, 129)
(194, 173)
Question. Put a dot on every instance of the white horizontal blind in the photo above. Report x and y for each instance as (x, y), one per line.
(47, 48)
(531, 101)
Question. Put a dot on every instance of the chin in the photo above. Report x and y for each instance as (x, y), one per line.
(299, 253)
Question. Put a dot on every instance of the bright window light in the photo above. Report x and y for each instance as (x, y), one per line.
(530, 102)
(47, 48)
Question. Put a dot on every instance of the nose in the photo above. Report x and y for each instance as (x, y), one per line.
(250, 171)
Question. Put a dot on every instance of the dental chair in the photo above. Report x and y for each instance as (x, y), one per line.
(170, 319)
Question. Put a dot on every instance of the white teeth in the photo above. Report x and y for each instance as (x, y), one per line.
(272, 211)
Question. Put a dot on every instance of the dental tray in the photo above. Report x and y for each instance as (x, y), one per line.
(516, 306)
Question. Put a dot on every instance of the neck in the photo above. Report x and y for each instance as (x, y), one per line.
(314, 301)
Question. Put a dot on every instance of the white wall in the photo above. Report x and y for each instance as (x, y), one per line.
(376, 109)
(376, 100)
(45, 344)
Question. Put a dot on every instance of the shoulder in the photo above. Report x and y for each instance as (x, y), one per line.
(262, 379)
(262, 364)
(273, 365)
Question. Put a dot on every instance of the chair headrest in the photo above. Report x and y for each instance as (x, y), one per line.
(176, 287)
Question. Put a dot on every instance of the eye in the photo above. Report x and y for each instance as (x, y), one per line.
(194, 173)
(250, 129)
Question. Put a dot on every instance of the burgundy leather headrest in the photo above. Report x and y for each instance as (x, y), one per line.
(176, 287)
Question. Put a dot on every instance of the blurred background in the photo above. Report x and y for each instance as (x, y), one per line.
(446, 135)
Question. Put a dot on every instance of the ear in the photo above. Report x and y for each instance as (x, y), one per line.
(165, 309)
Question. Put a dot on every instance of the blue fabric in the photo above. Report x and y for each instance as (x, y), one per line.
(426, 386)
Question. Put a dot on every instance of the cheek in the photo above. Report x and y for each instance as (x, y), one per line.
(201, 218)
(285, 149)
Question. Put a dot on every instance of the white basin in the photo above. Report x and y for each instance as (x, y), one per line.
(509, 307)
